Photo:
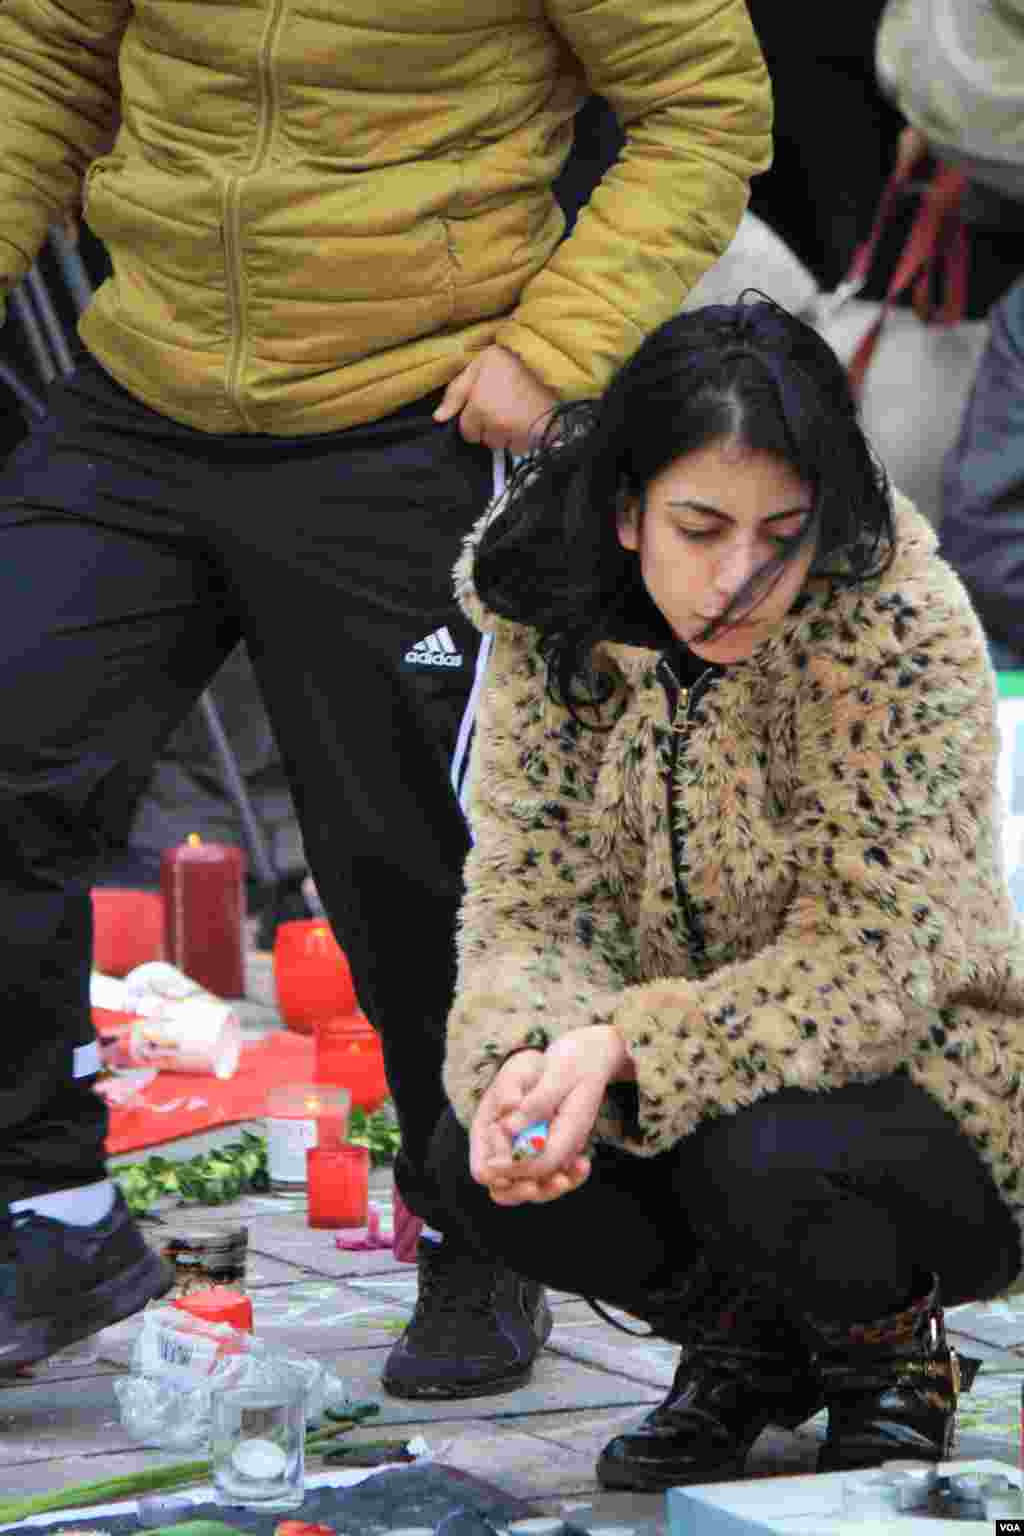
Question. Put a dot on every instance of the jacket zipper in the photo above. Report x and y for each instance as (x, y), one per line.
(684, 700)
(232, 199)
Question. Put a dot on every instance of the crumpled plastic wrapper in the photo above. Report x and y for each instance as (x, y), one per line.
(178, 1361)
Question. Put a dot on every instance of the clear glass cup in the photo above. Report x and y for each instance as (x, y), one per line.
(258, 1436)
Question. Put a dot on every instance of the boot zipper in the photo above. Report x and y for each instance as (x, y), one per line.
(681, 702)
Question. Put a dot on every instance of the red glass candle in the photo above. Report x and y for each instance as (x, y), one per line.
(338, 1183)
(203, 887)
(218, 1305)
(349, 1054)
(311, 974)
(127, 929)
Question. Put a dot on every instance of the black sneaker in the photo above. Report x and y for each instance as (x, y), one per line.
(59, 1283)
(477, 1328)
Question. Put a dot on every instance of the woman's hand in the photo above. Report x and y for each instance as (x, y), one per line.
(563, 1085)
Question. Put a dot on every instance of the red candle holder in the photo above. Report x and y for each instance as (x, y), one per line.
(311, 974)
(219, 1304)
(203, 887)
(338, 1183)
(127, 927)
(349, 1055)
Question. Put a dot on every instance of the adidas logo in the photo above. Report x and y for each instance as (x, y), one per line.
(436, 650)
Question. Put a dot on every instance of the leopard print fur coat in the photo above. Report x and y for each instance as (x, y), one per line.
(796, 882)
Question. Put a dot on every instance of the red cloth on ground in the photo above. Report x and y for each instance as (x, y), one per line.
(182, 1103)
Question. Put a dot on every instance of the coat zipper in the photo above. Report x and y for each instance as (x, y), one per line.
(682, 699)
(232, 199)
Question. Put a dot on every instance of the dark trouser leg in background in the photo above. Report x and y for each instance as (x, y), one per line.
(103, 645)
(839, 1206)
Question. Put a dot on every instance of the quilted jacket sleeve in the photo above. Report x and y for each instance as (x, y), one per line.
(542, 946)
(58, 104)
(688, 83)
(899, 916)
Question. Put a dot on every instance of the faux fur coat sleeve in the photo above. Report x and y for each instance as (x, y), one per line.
(543, 946)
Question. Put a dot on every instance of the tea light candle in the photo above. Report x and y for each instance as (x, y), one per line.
(259, 1459)
(301, 1116)
(203, 886)
(338, 1183)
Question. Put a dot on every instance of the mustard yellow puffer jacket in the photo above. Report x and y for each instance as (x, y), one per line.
(317, 212)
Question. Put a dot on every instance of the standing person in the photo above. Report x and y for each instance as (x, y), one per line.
(736, 921)
(982, 525)
(337, 289)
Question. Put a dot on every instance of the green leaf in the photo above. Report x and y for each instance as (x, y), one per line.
(215, 1178)
(197, 1528)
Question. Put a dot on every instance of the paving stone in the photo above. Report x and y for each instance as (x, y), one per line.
(992, 1357)
(315, 1250)
(515, 1460)
(54, 1371)
(321, 1315)
(581, 1335)
(47, 1474)
(989, 1417)
(43, 1420)
(557, 1385)
(1000, 1323)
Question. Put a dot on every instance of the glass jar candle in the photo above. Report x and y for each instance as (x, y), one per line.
(258, 1441)
(312, 978)
(349, 1055)
(301, 1116)
(205, 1256)
(338, 1186)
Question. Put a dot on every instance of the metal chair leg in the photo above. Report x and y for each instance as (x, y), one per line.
(252, 832)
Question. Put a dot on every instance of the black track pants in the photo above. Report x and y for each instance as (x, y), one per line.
(843, 1201)
(134, 554)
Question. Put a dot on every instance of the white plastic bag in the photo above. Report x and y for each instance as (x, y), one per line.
(177, 1362)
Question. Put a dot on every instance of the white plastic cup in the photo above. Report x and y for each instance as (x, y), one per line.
(200, 1036)
(180, 1027)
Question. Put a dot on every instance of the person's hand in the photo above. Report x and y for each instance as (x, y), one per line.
(563, 1085)
(498, 401)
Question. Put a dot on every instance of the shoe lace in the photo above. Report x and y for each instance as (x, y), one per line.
(450, 1294)
(606, 1317)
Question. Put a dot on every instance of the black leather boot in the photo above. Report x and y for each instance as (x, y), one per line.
(743, 1367)
(891, 1386)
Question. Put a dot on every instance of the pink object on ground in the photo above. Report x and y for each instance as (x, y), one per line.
(371, 1239)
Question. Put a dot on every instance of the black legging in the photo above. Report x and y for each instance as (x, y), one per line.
(843, 1199)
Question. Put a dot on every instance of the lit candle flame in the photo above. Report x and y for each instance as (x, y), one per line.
(193, 840)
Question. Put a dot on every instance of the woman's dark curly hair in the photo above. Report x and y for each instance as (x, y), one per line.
(750, 372)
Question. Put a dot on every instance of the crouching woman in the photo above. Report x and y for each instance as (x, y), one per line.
(736, 921)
